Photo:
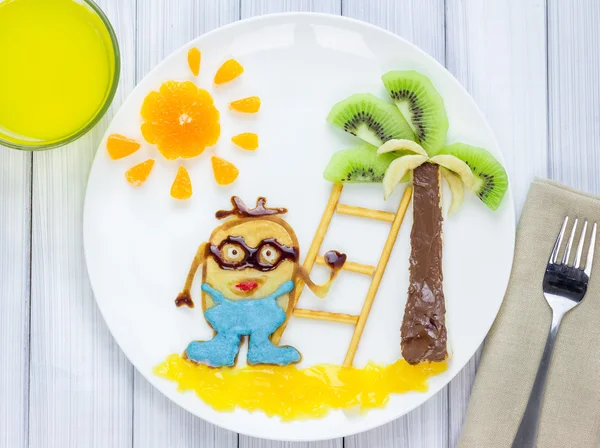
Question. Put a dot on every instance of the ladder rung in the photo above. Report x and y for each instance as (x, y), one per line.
(365, 212)
(351, 266)
(324, 315)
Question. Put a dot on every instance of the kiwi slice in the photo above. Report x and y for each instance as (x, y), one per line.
(421, 105)
(370, 118)
(358, 165)
(491, 181)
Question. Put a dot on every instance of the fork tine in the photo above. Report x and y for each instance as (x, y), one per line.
(577, 261)
(590, 255)
(554, 254)
(565, 258)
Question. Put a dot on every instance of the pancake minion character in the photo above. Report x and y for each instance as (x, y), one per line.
(250, 269)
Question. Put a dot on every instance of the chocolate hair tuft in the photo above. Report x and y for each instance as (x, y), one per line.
(242, 211)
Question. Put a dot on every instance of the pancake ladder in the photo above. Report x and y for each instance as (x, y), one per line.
(376, 272)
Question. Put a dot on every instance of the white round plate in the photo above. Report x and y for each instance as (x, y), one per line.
(139, 243)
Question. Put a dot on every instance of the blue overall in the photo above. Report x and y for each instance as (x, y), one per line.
(232, 319)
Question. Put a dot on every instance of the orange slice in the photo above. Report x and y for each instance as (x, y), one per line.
(225, 172)
(180, 119)
(248, 105)
(230, 70)
(247, 140)
(194, 60)
(119, 146)
(138, 174)
(182, 185)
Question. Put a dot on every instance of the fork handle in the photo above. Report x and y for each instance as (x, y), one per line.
(528, 429)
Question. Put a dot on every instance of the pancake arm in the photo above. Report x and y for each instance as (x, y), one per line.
(335, 261)
(184, 298)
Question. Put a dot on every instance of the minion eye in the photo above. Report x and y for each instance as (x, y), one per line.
(269, 255)
(233, 253)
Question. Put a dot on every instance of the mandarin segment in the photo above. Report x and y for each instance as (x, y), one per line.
(180, 119)
(138, 174)
(193, 57)
(119, 146)
(225, 172)
(247, 140)
(182, 185)
(230, 70)
(249, 105)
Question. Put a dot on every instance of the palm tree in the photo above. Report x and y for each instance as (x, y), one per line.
(422, 159)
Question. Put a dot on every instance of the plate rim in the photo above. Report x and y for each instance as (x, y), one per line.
(432, 390)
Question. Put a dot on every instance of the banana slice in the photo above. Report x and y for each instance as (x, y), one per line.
(457, 166)
(402, 145)
(398, 169)
(456, 187)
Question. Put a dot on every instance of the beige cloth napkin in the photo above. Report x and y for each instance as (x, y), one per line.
(570, 415)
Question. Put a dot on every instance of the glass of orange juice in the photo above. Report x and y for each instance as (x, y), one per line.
(59, 70)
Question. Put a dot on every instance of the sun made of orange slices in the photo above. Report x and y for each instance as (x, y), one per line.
(181, 121)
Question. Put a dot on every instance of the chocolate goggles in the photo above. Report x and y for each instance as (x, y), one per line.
(234, 254)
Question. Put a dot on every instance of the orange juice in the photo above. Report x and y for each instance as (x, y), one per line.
(59, 66)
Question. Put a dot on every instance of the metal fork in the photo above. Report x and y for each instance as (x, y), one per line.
(564, 287)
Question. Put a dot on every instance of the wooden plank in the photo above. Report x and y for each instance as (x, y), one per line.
(251, 442)
(251, 8)
(497, 51)
(421, 22)
(459, 392)
(158, 422)
(506, 77)
(15, 239)
(573, 93)
(418, 21)
(80, 382)
(164, 26)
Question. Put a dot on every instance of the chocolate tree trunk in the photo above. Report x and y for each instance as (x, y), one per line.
(424, 325)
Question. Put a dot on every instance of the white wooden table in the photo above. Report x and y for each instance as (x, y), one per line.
(531, 65)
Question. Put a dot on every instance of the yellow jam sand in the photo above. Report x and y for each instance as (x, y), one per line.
(292, 393)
